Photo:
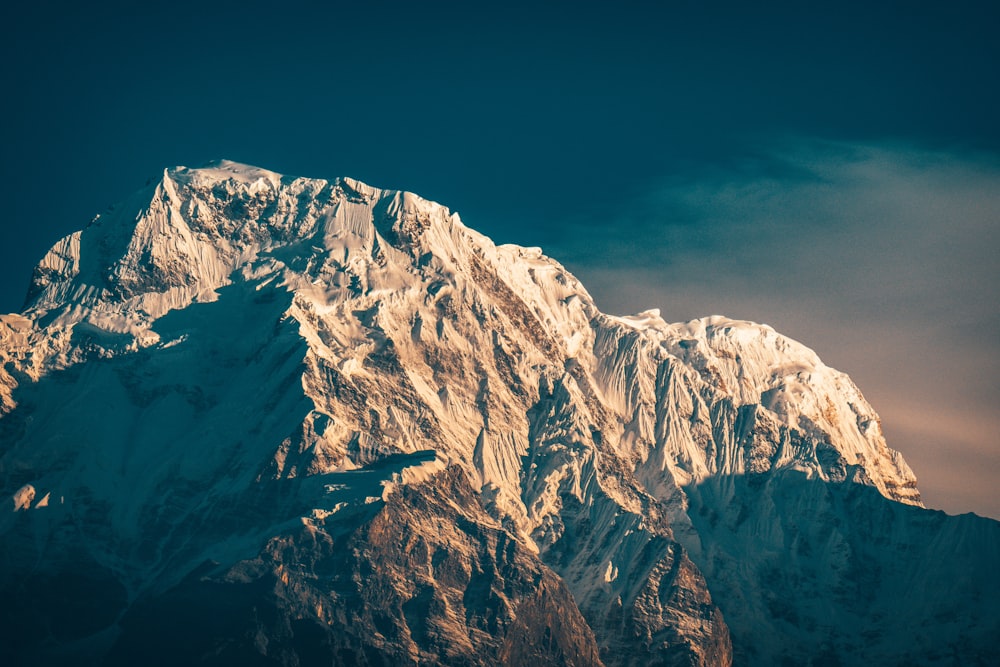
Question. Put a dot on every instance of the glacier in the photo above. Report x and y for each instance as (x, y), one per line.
(301, 421)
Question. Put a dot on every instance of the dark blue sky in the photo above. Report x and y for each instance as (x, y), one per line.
(634, 142)
(512, 114)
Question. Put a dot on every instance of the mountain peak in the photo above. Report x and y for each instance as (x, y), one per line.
(345, 242)
(223, 170)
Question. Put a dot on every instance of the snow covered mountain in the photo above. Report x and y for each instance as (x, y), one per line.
(296, 421)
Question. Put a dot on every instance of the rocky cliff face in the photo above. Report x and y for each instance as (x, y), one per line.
(333, 423)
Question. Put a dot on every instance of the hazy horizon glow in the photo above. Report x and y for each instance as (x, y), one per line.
(881, 259)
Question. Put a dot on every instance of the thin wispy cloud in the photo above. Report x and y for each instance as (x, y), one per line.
(884, 259)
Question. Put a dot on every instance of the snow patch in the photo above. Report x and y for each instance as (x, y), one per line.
(22, 497)
(412, 475)
(224, 170)
(647, 319)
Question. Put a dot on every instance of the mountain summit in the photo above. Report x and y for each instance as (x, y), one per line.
(255, 419)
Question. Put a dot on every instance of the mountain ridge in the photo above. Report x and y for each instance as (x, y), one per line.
(293, 348)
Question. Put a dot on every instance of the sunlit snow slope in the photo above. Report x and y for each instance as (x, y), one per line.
(294, 419)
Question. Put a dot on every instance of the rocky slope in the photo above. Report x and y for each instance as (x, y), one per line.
(303, 421)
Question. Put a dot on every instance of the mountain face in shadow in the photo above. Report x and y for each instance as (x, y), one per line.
(827, 573)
